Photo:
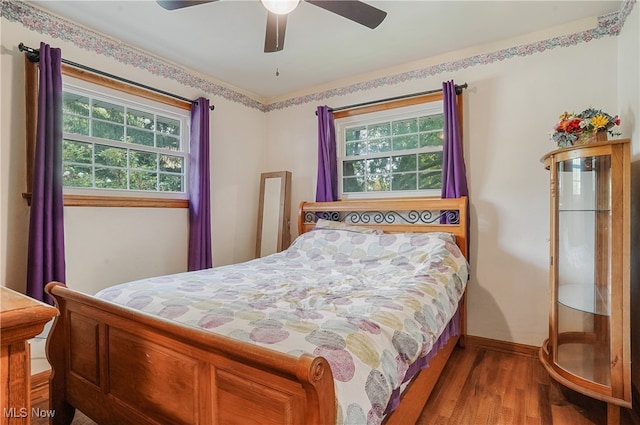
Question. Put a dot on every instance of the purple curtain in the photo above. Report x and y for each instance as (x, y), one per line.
(200, 255)
(454, 174)
(327, 188)
(46, 260)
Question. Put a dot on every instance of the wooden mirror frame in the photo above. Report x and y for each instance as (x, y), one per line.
(267, 203)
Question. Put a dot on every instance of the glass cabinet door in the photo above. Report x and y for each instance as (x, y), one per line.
(583, 267)
(589, 344)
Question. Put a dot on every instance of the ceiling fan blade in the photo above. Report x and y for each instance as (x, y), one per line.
(274, 37)
(354, 10)
(179, 4)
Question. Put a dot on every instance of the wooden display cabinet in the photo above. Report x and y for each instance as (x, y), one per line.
(589, 347)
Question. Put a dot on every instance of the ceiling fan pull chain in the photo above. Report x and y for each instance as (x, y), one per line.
(277, 32)
(277, 45)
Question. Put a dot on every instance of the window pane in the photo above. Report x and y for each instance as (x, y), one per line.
(142, 180)
(107, 130)
(430, 161)
(108, 111)
(76, 125)
(73, 151)
(431, 139)
(355, 133)
(379, 130)
(405, 126)
(403, 163)
(353, 184)
(171, 183)
(378, 166)
(405, 142)
(431, 122)
(107, 155)
(404, 181)
(171, 163)
(75, 104)
(76, 175)
(143, 160)
(379, 145)
(353, 168)
(430, 180)
(356, 148)
(111, 178)
(378, 183)
(168, 126)
(140, 119)
(139, 137)
(167, 142)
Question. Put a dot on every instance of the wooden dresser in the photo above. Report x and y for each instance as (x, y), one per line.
(21, 318)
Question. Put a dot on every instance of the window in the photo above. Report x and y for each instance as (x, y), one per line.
(394, 152)
(117, 143)
(115, 132)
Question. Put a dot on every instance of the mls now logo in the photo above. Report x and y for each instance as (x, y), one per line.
(23, 412)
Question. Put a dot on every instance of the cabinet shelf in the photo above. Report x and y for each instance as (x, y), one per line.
(586, 298)
(566, 210)
(585, 357)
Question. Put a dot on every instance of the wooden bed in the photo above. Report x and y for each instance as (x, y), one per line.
(121, 366)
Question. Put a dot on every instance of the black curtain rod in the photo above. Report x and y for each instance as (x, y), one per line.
(34, 56)
(459, 89)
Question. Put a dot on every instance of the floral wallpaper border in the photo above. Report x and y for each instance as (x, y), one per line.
(608, 25)
(41, 21)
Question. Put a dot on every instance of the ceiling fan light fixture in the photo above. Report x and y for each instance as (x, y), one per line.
(280, 7)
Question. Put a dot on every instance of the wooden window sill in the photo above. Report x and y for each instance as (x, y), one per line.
(117, 201)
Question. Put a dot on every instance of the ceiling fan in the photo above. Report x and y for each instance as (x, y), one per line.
(353, 10)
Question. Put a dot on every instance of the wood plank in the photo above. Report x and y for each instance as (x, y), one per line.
(445, 401)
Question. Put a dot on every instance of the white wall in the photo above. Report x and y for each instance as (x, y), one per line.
(628, 68)
(105, 246)
(510, 108)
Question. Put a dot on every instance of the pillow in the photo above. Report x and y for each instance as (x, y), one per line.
(338, 225)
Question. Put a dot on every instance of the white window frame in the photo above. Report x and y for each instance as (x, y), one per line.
(86, 88)
(427, 108)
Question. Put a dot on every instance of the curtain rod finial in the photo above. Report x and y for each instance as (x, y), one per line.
(32, 54)
(461, 87)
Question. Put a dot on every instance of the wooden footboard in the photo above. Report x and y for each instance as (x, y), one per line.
(124, 367)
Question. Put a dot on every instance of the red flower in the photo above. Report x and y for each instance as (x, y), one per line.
(569, 126)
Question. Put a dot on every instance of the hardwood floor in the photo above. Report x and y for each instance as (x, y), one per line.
(480, 386)
(489, 387)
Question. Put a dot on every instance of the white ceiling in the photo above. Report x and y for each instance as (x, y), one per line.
(225, 39)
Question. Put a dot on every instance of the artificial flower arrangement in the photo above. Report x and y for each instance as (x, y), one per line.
(589, 125)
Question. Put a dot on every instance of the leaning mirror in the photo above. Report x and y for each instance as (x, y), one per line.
(274, 208)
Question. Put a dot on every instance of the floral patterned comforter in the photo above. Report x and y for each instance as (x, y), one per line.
(370, 304)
